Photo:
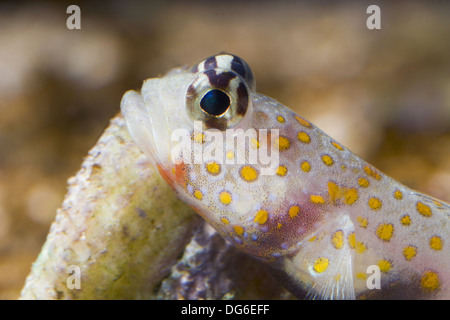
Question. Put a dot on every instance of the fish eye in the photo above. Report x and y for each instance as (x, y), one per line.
(218, 97)
(215, 102)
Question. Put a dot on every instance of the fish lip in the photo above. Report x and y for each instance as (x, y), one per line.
(158, 132)
(147, 128)
(153, 115)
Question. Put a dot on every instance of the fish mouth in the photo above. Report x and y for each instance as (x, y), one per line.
(157, 117)
(146, 121)
(153, 115)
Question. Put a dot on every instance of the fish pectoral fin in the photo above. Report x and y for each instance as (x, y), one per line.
(337, 283)
(323, 265)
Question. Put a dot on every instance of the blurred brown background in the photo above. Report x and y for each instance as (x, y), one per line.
(385, 93)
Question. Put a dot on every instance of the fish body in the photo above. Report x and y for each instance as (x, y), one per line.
(284, 192)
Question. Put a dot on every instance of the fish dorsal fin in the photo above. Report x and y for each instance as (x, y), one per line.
(324, 262)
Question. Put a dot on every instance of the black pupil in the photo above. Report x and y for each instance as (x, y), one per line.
(215, 102)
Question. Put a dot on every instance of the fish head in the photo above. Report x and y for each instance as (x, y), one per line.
(225, 150)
